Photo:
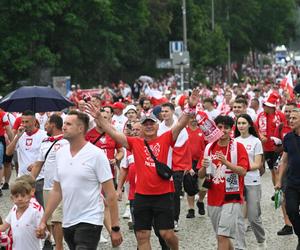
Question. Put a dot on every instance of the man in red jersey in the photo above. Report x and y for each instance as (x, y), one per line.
(266, 123)
(197, 146)
(226, 168)
(154, 195)
(98, 137)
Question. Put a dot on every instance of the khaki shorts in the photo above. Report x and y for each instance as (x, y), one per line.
(225, 218)
(57, 214)
(200, 184)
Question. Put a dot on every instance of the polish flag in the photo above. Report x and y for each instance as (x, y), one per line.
(287, 85)
(156, 97)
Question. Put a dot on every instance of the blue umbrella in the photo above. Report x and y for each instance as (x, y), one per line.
(36, 99)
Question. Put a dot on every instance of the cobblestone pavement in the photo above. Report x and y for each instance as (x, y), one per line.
(197, 233)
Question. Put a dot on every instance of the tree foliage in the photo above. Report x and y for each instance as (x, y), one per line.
(107, 40)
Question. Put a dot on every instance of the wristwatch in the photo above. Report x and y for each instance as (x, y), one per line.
(115, 229)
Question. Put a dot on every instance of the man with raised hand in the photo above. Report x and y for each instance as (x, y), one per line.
(154, 195)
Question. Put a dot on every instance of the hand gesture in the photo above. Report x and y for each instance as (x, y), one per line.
(20, 131)
(194, 98)
(221, 157)
(92, 110)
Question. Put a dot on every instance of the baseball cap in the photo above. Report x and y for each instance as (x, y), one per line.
(151, 117)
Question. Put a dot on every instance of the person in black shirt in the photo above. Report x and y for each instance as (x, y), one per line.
(290, 164)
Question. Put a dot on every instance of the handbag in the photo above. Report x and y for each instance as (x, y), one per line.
(162, 169)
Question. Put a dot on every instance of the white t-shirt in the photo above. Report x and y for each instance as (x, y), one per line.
(212, 114)
(49, 166)
(42, 119)
(253, 147)
(80, 178)
(28, 147)
(23, 229)
(119, 121)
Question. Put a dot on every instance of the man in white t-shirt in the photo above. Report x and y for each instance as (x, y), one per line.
(82, 168)
(47, 161)
(27, 142)
(210, 110)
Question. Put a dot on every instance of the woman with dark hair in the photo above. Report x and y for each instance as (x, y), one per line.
(246, 134)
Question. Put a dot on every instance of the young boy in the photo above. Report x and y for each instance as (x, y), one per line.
(23, 218)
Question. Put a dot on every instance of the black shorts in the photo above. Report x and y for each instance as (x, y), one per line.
(157, 209)
(270, 158)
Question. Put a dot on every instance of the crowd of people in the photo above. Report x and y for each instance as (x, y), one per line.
(150, 143)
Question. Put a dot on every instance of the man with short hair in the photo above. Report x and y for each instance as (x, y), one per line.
(27, 142)
(82, 168)
(209, 109)
(47, 161)
(290, 161)
(226, 163)
(180, 155)
(153, 198)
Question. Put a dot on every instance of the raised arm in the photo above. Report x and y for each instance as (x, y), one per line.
(187, 112)
(120, 138)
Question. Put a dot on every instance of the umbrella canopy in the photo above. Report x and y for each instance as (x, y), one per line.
(36, 99)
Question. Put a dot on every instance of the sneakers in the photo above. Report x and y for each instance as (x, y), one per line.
(286, 230)
(201, 209)
(5, 186)
(176, 227)
(190, 214)
(126, 214)
(47, 245)
(130, 225)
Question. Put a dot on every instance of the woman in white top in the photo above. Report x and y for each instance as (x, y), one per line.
(246, 134)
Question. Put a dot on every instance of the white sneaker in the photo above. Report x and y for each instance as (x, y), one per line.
(126, 214)
(262, 245)
(103, 239)
(176, 227)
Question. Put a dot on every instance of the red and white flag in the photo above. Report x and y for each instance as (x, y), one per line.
(287, 85)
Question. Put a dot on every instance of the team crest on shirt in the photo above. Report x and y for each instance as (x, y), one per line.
(248, 147)
(28, 142)
(200, 134)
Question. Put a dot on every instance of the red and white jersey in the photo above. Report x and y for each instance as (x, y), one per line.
(22, 230)
(221, 175)
(28, 148)
(148, 182)
(180, 155)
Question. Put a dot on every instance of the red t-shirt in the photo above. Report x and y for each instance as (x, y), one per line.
(197, 143)
(282, 132)
(3, 122)
(268, 129)
(148, 182)
(131, 177)
(216, 193)
(106, 143)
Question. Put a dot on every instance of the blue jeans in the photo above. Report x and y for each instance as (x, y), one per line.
(82, 236)
(1, 154)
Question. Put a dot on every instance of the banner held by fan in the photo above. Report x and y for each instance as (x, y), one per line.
(287, 85)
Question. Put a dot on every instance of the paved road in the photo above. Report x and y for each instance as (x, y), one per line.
(197, 233)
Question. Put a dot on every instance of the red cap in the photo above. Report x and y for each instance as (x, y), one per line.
(118, 105)
(181, 100)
